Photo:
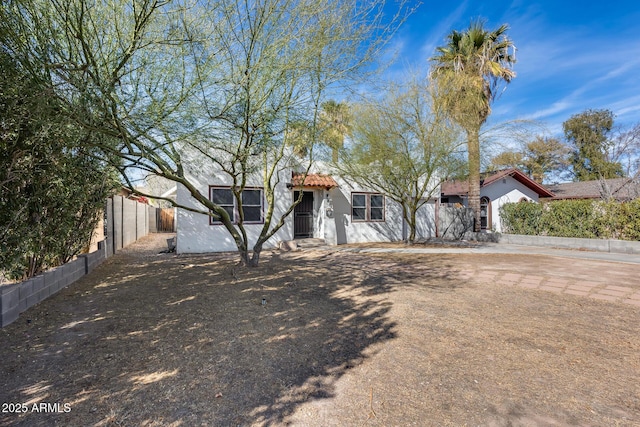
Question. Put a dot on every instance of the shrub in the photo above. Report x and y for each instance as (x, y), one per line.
(52, 190)
(521, 218)
(574, 218)
(628, 220)
(571, 218)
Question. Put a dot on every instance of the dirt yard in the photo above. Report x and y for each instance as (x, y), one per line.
(330, 338)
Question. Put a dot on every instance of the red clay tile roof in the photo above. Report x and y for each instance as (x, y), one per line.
(460, 188)
(313, 180)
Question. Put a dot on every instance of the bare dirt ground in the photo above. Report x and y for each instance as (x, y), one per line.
(343, 339)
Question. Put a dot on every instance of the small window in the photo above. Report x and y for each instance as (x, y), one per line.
(252, 207)
(223, 197)
(377, 207)
(367, 207)
(359, 207)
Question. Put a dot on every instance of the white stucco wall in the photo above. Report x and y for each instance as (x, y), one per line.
(342, 229)
(196, 235)
(500, 193)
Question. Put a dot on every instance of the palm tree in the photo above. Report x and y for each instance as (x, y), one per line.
(468, 71)
(335, 119)
(334, 125)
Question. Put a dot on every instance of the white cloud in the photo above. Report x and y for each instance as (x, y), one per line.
(555, 108)
(439, 32)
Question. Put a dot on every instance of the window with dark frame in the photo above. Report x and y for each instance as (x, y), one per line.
(252, 206)
(376, 205)
(223, 197)
(359, 207)
(367, 207)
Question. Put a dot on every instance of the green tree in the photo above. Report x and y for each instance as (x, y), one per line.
(332, 127)
(588, 134)
(401, 147)
(335, 122)
(468, 71)
(52, 187)
(507, 159)
(192, 89)
(537, 158)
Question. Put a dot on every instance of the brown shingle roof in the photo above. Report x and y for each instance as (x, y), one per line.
(618, 188)
(460, 188)
(454, 188)
(312, 180)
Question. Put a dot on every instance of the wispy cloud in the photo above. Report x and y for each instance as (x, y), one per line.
(627, 110)
(591, 91)
(557, 107)
(570, 57)
(438, 33)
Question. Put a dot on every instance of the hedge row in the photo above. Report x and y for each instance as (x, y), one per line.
(574, 218)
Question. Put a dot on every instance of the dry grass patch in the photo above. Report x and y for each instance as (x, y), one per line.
(342, 339)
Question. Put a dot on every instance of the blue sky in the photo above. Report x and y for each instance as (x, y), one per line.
(571, 55)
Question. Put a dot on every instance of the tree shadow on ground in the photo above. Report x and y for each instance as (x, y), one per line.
(186, 340)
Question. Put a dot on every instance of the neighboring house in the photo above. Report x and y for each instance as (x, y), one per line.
(620, 189)
(496, 189)
(162, 187)
(331, 209)
(128, 194)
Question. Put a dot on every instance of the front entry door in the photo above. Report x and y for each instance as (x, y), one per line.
(303, 215)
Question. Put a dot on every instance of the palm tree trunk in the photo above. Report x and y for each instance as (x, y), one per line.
(473, 141)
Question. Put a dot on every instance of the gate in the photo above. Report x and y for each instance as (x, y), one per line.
(165, 221)
(303, 215)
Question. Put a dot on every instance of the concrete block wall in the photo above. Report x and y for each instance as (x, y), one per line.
(108, 228)
(142, 220)
(94, 259)
(597, 245)
(18, 297)
(151, 215)
(127, 221)
(116, 221)
(9, 303)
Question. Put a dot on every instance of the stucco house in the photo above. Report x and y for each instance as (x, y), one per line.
(496, 189)
(332, 209)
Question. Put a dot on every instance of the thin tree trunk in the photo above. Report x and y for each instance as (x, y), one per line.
(255, 259)
(473, 141)
(244, 256)
(412, 227)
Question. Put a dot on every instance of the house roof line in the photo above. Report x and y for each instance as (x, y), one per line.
(618, 188)
(461, 188)
(312, 180)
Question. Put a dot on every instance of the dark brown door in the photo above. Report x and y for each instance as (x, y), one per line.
(303, 215)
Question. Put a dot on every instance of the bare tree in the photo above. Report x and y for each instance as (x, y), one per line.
(403, 148)
(190, 87)
(625, 149)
